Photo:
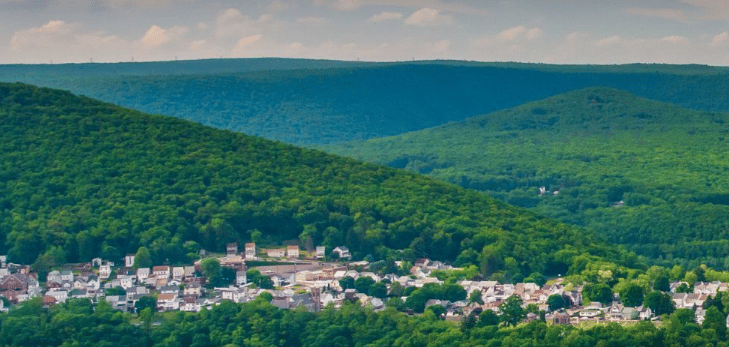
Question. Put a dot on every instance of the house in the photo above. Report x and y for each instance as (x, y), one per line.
(60, 295)
(240, 278)
(167, 302)
(142, 274)
(126, 282)
(189, 271)
(292, 252)
(49, 301)
(129, 260)
(104, 271)
(14, 285)
(250, 250)
(231, 248)
(54, 276)
(178, 272)
(321, 252)
(276, 252)
(161, 271)
(342, 252)
(67, 276)
(192, 289)
(169, 290)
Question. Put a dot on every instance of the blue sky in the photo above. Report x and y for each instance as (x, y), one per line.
(599, 32)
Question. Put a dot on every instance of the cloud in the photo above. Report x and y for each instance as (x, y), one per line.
(582, 48)
(428, 17)
(720, 39)
(675, 39)
(312, 20)
(665, 13)
(384, 16)
(247, 41)
(517, 35)
(156, 36)
(278, 6)
(232, 23)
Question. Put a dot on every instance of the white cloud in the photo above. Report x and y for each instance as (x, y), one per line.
(312, 20)
(428, 17)
(720, 39)
(610, 41)
(384, 16)
(156, 36)
(441, 46)
(515, 36)
(232, 23)
(247, 41)
(675, 39)
(278, 6)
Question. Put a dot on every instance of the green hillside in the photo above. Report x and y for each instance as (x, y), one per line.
(647, 175)
(319, 102)
(80, 178)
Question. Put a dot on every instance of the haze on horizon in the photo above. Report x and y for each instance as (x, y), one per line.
(550, 31)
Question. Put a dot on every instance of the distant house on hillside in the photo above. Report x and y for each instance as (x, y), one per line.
(250, 250)
(276, 252)
(320, 252)
(342, 252)
(129, 260)
(232, 248)
(292, 252)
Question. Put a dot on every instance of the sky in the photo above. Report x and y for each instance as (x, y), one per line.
(541, 31)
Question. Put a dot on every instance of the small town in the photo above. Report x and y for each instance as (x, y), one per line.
(292, 278)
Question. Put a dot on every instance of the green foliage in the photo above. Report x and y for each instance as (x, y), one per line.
(511, 311)
(254, 276)
(475, 297)
(363, 284)
(142, 259)
(97, 180)
(599, 292)
(316, 102)
(660, 303)
(555, 302)
(646, 175)
(145, 302)
(631, 295)
(347, 283)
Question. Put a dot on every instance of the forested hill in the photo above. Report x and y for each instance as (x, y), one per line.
(81, 178)
(330, 102)
(648, 175)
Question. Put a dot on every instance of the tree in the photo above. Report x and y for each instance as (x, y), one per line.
(660, 303)
(631, 295)
(396, 289)
(599, 292)
(396, 303)
(662, 284)
(212, 271)
(143, 259)
(346, 283)
(146, 302)
(555, 302)
(363, 284)
(453, 292)
(476, 297)
(438, 310)
(378, 290)
(714, 319)
(488, 318)
(511, 311)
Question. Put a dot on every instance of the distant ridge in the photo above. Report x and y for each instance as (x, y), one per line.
(313, 102)
(647, 175)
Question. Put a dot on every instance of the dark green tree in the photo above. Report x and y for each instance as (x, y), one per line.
(512, 312)
(555, 302)
(142, 259)
(632, 295)
(347, 283)
(662, 284)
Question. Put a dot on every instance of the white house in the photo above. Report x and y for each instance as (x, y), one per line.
(67, 276)
(320, 252)
(104, 271)
(178, 272)
(142, 274)
(54, 276)
(126, 282)
(292, 252)
(129, 260)
(250, 250)
(161, 271)
(240, 278)
(189, 271)
(342, 252)
(276, 252)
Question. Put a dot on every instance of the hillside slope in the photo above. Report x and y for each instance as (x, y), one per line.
(80, 179)
(648, 175)
(331, 102)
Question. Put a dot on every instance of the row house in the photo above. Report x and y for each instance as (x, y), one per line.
(292, 252)
(15, 285)
(276, 252)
